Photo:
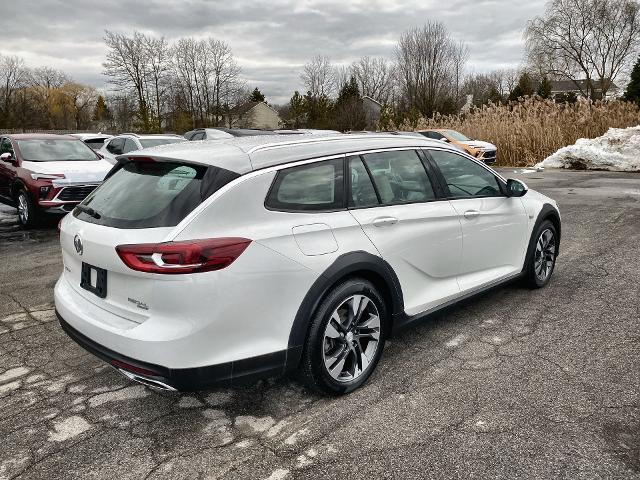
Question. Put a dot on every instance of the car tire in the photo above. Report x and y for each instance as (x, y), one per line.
(542, 255)
(27, 213)
(346, 338)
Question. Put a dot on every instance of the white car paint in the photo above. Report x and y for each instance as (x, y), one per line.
(247, 309)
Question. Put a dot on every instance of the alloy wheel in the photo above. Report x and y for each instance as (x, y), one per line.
(545, 254)
(351, 338)
(23, 209)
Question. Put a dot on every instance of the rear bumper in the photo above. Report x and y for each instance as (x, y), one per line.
(186, 379)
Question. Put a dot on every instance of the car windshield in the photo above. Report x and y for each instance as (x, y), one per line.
(154, 142)
(457, 136)
(55, 150)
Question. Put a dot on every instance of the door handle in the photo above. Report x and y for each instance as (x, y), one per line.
(384, 221)
(471, 214)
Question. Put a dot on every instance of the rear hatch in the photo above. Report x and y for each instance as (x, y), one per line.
(141, 202)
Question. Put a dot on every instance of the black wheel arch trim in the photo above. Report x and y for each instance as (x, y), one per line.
(346, 265)
(547, 212)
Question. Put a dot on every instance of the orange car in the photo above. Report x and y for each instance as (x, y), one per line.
(484, 151)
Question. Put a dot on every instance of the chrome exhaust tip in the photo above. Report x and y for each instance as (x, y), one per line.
(149, 382)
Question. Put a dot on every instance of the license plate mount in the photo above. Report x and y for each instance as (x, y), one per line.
(94, 279)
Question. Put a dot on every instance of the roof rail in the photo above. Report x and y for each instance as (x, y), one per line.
(129, 133)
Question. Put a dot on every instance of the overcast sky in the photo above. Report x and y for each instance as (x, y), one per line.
(271, 39)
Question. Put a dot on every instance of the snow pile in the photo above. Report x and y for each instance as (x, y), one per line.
(617, 150)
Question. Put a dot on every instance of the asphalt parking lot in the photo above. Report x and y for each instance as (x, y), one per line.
(515, 384)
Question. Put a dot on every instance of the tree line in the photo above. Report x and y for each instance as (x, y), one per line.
(156, 85)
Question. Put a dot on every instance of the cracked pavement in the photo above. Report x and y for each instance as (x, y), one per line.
(512, 384)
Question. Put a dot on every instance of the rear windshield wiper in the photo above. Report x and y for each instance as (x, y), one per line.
(88, 210)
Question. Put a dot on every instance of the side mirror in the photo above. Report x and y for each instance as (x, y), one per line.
(444, 139)
(7, 157)
(516, 188)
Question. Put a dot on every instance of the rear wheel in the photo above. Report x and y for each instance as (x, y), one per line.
(346, 338)
(26, 210)
(542, 259)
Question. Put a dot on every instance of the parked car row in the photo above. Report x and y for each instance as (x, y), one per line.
(44, 173)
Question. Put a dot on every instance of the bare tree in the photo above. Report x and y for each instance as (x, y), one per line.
(226, 73)
(585, 39)
(429, 62)
(46, 81)
(158, 56)
(127, 68)
(318, 76)
(375, 77)
(13, 76)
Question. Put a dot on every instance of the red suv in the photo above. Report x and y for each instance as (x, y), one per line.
(47, 173)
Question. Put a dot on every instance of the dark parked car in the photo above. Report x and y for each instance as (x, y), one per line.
(47, 173)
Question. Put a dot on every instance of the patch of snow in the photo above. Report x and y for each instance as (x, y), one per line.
(68, 428)
(128, 393)
(616, 150)
(278, 474)
(13, 373)
(257, 424)
(456, 341)
(189, 402)
(293, 438)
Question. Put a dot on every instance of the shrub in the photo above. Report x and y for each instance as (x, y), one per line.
(530, 129)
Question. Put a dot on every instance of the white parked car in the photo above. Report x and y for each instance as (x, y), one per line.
(130, 142)
(208, 264)
(95, 141)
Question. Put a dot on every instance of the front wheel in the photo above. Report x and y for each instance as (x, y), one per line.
(26, 210)
(346, 338)
(542, 259)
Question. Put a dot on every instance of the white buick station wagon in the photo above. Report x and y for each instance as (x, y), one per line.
(210, 263)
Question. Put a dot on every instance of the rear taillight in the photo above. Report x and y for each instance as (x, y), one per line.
(190, 256)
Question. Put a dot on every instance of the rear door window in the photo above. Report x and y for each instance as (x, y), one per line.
(129, 146)
(399, 177)
(362, 193)
(115, 146)
(315, 186)
(151, 194)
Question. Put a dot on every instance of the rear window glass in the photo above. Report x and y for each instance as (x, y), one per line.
(151, 194)
(316, 186)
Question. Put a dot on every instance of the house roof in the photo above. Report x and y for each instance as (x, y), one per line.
(244, 108)
(367, 97)
(558, 86)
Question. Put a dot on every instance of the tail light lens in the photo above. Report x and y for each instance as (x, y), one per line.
(190, 256)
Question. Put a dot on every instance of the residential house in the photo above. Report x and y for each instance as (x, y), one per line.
(579, 88)
(372, 109)
(253, 115)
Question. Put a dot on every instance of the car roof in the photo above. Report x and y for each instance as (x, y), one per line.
(85, 136)
(246, 154)
(38, 136)
(150, 135)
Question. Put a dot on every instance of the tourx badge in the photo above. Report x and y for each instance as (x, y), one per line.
(78, 244)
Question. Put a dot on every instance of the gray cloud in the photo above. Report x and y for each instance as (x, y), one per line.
(271, 40)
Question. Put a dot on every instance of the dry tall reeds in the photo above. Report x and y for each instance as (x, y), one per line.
(530, 130)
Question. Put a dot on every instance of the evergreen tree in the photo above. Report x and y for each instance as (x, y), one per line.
(524, 88)
(632, 94)
(297, 110)
(101, 111)
(544, 89)
(349, 112)
(256, 96)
